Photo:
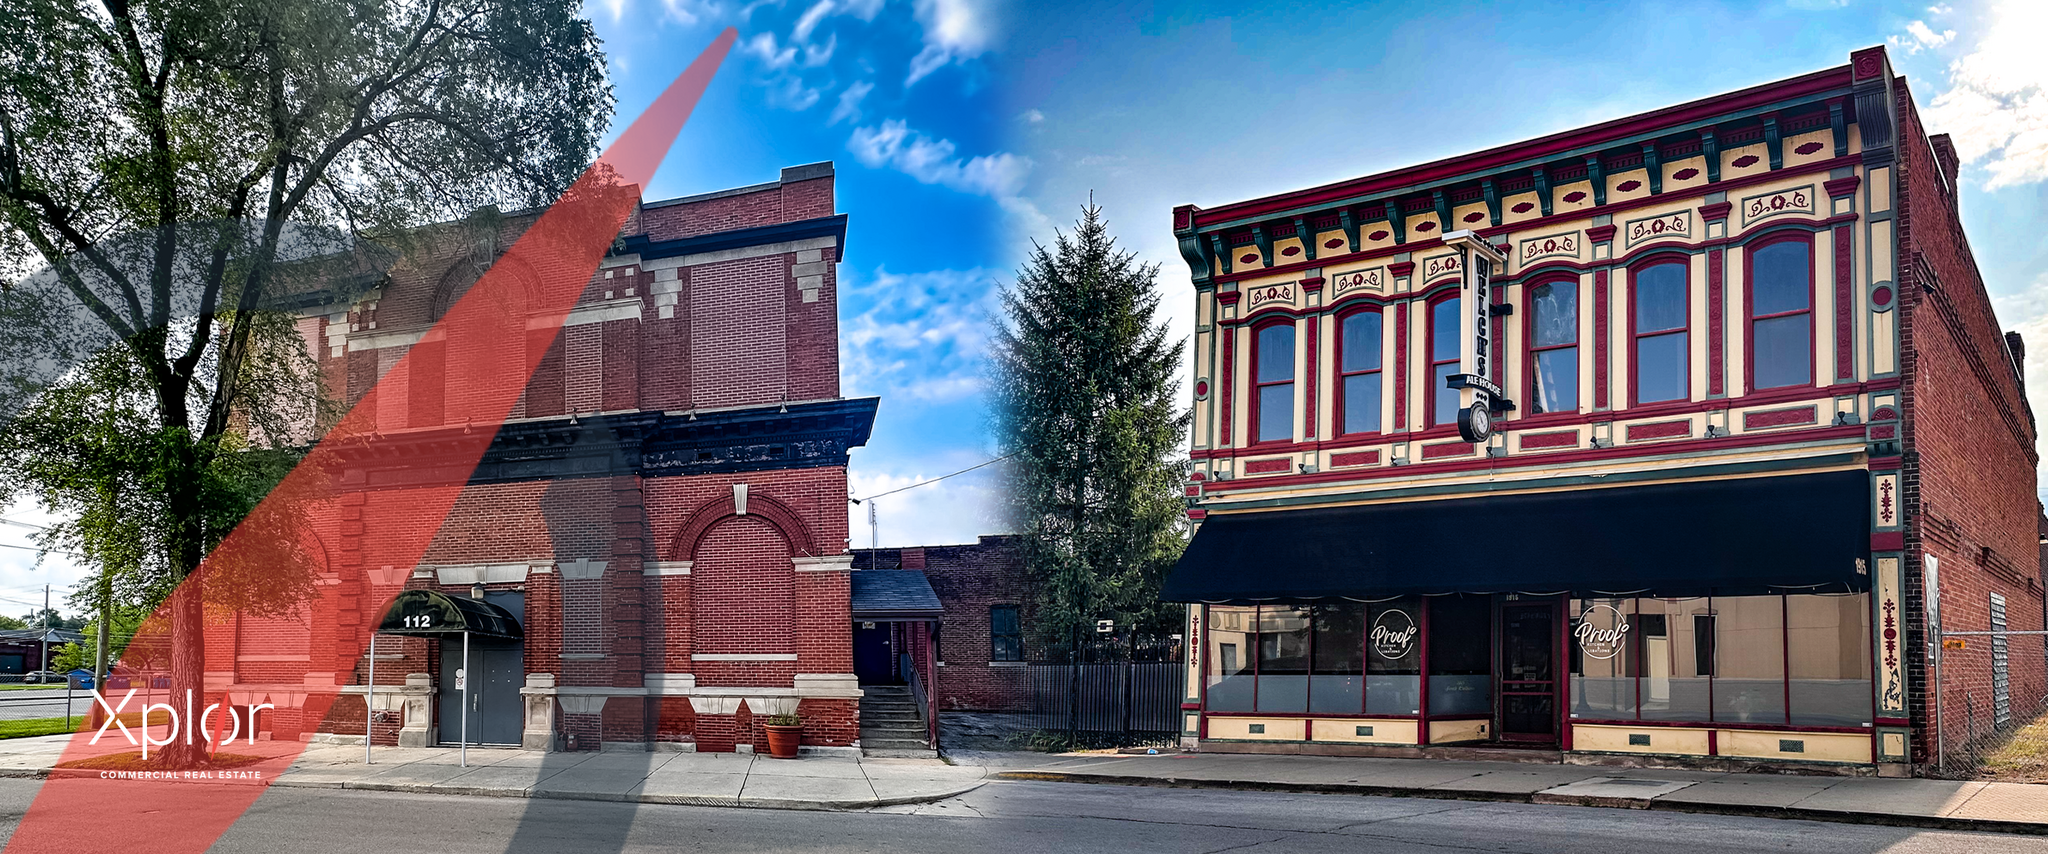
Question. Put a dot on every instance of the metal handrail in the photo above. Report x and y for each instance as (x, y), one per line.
(907, 668)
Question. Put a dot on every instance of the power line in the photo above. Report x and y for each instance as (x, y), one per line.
(6, 521)
(50, 551)
(933, 480)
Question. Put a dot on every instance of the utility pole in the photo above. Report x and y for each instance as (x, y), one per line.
(99, 658)
(46, 627)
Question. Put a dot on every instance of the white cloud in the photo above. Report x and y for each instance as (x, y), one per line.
(21, 575)
(954, 30)
(810, 20)
(762, 46)
(849, 102)
(954, 510)
(1940, 9)
(1921, 37)
(931, 161)
(916, 336)
(790, 93)
(819, 54)
(1996, 107)
(1031, 117)
(616, 8)
(687, 12)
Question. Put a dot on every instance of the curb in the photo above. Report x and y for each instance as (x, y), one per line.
(742, 801)
(1364, 790)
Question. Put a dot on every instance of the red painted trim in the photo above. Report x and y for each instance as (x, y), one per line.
(1788, 417)
(1807, 85)
(1749, 316)
(1636, 255)
(1888, 541)
(1447, 449)
(1845, 319)
(1429, 359)
(1684, 262)
(1886, 463)
(1360, 458)
(1843, 186)
(1815, 394)
(1659, 430)
(1229, 381)
(1319, 715)
(1229, 297)
(1400, 268)
(1529, 348)
(1254, 431)
(1713, 740)
(1315, 327)
(1312, 283)
(1600, 336)
(1542, 441)
(1339, 428)
(1716, 212)
(1717, 333)
(1601, 234)
(1191, 707)
(1268, 465)
(1513, 461)
(1401, 365)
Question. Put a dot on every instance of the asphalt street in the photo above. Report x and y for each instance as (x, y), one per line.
(1029, 817)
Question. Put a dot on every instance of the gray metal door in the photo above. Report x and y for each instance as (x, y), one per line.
(495, 676)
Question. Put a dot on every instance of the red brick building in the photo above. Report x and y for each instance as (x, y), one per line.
(984, 599)
(1756, 410)
(663, 516)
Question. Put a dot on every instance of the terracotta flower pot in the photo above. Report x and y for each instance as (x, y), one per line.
(783, 740)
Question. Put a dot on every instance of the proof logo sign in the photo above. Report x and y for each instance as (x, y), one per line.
(1601, 631)
(1393, 635)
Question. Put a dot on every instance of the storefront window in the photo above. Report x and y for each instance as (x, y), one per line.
(1283, 658)
(1828, 638)
(1229, 654)
(1460, 655)
(1603, 656)
(1749, 659)
(1673, 673)
(1337, 672)
(1393, 658)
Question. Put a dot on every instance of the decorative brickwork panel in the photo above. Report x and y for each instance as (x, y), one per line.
(738, 343)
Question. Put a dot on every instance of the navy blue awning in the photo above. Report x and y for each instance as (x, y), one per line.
(893, 594)
(1808, 531)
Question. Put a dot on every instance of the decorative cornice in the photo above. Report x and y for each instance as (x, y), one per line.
(1843, 186)
(1401, 268)
(830, 226)
(1716, 212)
(1600, 234)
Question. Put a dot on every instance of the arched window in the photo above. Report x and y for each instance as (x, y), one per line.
(1554, 347)
(1358, 372)
(1661, 359)
(1273, 382)
(1781, 313)
(1443, 359)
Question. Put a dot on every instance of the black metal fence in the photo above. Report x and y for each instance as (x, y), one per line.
(1112, 693)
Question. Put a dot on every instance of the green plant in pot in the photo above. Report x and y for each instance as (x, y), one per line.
(785, 732)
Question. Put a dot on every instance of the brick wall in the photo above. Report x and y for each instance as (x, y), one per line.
(741, 332)
(1970, 495)
(968, 579)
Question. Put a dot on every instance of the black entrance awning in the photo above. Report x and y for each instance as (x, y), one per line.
(893, 594)
(430, 614)
(1744, 534)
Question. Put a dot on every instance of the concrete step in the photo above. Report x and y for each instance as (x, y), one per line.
(892, 744)
(892, 732)
(900, 752)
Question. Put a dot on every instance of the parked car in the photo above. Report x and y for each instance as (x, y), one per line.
(42, 677)
(80, 679)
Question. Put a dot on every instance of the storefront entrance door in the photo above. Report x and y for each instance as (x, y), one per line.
(1528, 672)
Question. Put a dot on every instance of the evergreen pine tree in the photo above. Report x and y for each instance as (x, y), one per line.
(1086, 401)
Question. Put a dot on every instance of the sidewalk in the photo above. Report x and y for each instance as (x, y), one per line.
(1944, 804)
(819, 782)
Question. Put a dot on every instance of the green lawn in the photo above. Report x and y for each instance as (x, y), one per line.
(55, 726)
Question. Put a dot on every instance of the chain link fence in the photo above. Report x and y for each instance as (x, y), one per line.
(1991, 703)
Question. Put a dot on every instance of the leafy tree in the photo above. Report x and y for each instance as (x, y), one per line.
(177, 178)
(1086, 400)
(12, 623)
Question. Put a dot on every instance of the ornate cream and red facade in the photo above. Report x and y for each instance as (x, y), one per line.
(1760, 291)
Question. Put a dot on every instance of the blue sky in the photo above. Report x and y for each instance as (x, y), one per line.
(962, 130)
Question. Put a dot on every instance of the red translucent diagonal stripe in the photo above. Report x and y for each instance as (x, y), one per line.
(482, 347)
